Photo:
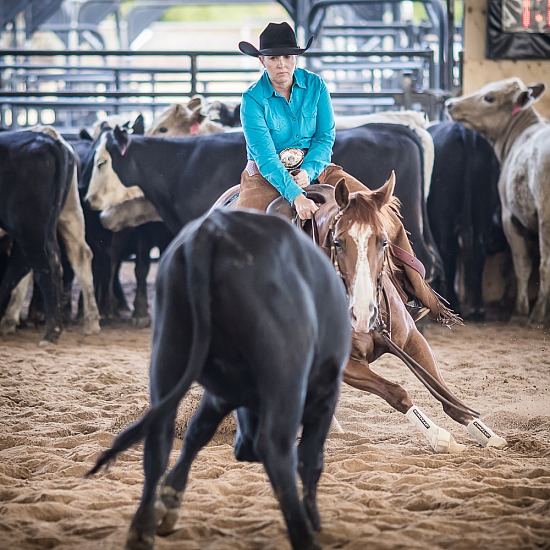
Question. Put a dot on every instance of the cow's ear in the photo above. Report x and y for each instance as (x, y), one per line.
(385, 193)
(527, 97)
(195, 101)
(537, 90)
(84, 134)
(138, 127)
(197, 115)
(121, 139)
(341, 194)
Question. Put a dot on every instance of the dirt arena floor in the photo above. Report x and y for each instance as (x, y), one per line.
(382, 488)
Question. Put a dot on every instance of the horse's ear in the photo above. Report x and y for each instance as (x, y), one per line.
(341, 194)
(385, 193)
(121, 139)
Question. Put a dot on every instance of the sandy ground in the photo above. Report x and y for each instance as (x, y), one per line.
(383, 487)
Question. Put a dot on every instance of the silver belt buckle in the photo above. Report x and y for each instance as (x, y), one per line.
(292, 157)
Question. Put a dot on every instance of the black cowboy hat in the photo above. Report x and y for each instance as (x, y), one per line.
(276, 39)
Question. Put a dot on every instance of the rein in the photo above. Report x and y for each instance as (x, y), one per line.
(440, 392)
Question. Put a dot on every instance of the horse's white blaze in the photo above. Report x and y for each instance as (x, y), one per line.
(105, 188)
(362, 294)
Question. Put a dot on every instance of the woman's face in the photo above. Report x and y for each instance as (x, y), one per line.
(280, 68)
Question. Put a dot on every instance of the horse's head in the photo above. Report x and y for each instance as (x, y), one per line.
(357, 242)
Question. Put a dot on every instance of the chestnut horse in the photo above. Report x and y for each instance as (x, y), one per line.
(359, 230)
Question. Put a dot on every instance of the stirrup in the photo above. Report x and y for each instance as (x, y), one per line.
(416, 309)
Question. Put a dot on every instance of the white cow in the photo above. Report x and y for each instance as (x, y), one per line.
(72, 230)
(502, 111)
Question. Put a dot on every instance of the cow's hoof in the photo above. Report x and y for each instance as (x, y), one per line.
(141, 322)
(92, 327)
(167, 509)
(137, 541)
(7, 327)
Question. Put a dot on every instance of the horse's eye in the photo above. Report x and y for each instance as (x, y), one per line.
(489, 98)
(337, 245)
(162, 130)
(101, 162)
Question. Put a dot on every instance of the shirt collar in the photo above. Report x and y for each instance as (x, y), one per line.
(268, 90)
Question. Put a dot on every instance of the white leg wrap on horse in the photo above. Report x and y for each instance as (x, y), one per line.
(336, 426)
(484, 435)
(440, 439)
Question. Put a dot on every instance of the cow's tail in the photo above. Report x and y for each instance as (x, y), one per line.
(198, 261)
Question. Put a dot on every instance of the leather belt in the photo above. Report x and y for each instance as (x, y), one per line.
(295, 155)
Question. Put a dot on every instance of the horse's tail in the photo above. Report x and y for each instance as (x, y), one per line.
(198, 260)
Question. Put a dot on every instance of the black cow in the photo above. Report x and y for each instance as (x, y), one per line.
(250, 308)
(35, 176)
(110, 248)
(183, 177)
(463, 210)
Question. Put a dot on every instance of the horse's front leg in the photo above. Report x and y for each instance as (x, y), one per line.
(359, 375)
(418, 348)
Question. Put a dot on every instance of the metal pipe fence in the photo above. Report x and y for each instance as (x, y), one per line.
(72, 88)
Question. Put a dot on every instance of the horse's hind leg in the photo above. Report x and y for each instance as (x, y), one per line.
(417, 347)
(156, 452)
(200, 431)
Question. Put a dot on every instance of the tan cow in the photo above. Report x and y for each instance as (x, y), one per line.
(502, 111)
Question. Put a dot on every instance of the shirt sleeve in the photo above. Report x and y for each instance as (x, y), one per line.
(262, 149)
(320, 151)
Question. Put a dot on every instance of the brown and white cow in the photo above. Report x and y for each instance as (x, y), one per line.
(502, 111)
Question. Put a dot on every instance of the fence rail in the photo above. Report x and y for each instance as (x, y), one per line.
(71, 89)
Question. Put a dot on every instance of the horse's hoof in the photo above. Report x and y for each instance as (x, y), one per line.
(444, 443)
(497, 442)
(484, 435)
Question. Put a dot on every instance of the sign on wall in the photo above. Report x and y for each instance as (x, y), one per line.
(518, 29)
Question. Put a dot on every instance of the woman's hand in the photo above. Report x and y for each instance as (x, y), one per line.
(305, 208)
(300, 177)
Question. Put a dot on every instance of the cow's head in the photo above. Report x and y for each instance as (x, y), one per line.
(491, 109)
(184, 120)
(106, 189)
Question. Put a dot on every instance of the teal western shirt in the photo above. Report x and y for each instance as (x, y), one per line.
(271, 124)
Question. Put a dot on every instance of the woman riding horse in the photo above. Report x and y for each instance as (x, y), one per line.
(289, 128)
